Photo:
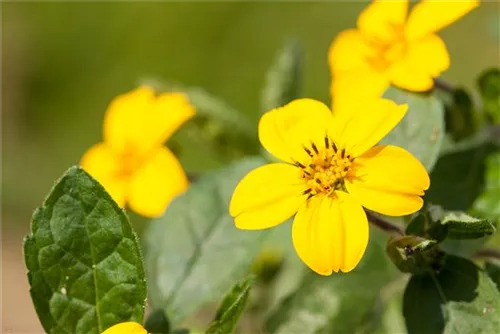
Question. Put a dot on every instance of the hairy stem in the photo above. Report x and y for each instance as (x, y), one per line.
(383, 224)
(487, 253)
(444, 86)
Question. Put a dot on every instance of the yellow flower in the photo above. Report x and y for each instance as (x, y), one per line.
(126, 328)
(131, 163)
(389, 48)
(330, 171)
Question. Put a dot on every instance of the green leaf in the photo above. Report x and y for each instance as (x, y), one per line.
(194, 251)
(230, 309)
(487, 203)
(489, 87)
(157, 323)
(421, 131)
(84, 263)
(412, 254)
(284, 78)
(339, 303)
(460, 115)
(492, 268)
(462, 226)
(458, 178)
(459, 298)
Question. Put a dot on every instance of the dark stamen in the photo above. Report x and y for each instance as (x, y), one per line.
(334, 147)
(310, 195)
(327, 143)
(312, 166)
(307, 191)
(307, 173)
(315, 148)
(298, 164)
(308, 151)
(318, 181)
(342, 153)
(346, 169)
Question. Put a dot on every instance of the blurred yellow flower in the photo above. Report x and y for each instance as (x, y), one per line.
(131, 163)
(330, 171)
(126, 328)
(390, 48)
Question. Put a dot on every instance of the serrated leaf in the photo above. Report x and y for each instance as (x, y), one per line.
(284, 78)
(487, 205)
(421, 131)
(489, 87)
(194, 251)
(460, 225)
(338, 303)
(230, 309)
(459, 298)
(84, 263)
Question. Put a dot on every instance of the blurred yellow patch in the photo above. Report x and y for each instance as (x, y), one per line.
(131, 163)
(330, 170)
(126, 328)
(391, 47)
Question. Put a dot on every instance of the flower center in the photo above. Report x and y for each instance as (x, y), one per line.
(388, 52)
(326, 169)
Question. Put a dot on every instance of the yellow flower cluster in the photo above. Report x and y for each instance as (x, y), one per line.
(131, 163)
(390, 47)
(331, 164)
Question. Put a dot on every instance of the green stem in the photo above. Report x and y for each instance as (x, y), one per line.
(444, 86)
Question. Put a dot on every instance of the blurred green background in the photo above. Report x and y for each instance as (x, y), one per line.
(63, 62)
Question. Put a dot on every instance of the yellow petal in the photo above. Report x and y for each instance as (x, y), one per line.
(101, 162)
(424, 60)
(354, 86)
(380, 18)
(156, 183)
(429, 16)
(267, 196)
(349, 51)
(330, 234)
(286, 130)
(389, 180)
(139, 121)
(363, 124)
(126, 328)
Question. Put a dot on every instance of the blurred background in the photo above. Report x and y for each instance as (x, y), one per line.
(62, 63)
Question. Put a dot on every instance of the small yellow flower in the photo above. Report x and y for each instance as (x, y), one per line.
(330, 171)
(126, 328)
(131, 163)
(389, 48)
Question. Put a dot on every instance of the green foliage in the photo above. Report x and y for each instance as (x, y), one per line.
(341, 303)
(492, 268)
(194, 251)
(84, 262)
(421, 131)
(459, 298)
(459, 225)
(157, 323)
(412, 254)
(486, 205)
(284, 78)
(489, 87)
(458, 178)
(460, 115)
(230, 309)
